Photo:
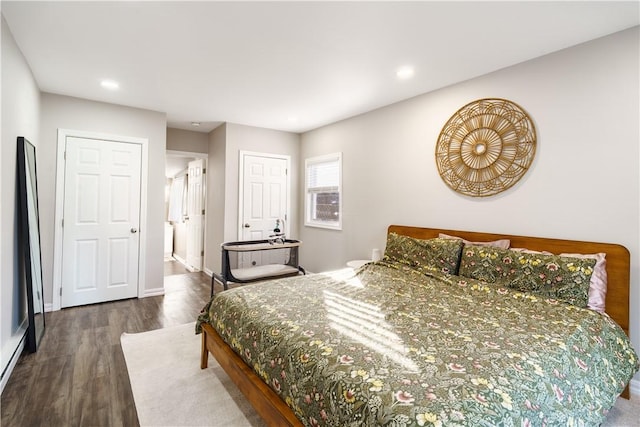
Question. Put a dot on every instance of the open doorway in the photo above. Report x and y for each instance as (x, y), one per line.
(185, 193)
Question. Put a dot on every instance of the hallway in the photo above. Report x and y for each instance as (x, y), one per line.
(173, 267)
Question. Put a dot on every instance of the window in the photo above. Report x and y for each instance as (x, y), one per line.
(323, 191)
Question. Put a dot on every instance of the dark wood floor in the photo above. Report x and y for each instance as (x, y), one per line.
(78, 377)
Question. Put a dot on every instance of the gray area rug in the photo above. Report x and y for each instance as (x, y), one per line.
(170, 389)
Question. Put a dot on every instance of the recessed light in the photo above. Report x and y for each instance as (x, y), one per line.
(405, 72)
(110, 84)
(195, 124)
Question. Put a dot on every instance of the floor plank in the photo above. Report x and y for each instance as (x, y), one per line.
(78, 376)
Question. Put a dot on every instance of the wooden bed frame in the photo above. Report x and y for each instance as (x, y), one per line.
(275, 412)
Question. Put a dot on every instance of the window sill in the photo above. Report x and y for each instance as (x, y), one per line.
(325, 226)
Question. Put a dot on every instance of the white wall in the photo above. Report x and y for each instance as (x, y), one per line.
(216, 177)
(180, 240)
(187, 140)
(79, 114)
(582, 185)
(225, 144)
(20, 117)
(260, 140)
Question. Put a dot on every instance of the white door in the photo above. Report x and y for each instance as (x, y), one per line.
(195, 214)
(264, 201)
(101, 219)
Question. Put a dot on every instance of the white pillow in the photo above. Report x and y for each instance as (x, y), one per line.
(502, 244)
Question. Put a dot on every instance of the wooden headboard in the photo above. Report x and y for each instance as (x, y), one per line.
(618, 260)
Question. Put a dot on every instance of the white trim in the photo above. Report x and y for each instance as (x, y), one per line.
(59, 205)
(57, 222)
(152, 292)
(12, 363)
(208, 272)
(321, 159)
(287, 158)
(184, 263)
(179, 259)
(142, 231)
(205, 178)
(20, 337)
(193, 154)
(48, 307)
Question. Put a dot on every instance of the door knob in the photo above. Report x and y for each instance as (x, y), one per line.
(247, 225)
(134, 230)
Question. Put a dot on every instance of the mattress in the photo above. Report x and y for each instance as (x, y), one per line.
(387, 345)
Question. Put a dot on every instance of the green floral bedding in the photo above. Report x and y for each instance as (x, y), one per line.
(546, 275)
(387, 345)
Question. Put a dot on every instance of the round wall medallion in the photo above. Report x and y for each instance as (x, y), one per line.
(485, 147)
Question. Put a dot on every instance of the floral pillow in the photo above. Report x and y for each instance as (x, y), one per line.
(548, 276)
(442, 255)
(598, 282)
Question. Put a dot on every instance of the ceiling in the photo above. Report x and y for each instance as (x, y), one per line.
(291, 66)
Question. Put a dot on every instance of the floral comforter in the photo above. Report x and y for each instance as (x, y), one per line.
(386, 345)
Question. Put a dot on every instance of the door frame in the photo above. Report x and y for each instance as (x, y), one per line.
(242, 155)
(205, 157)
(59, 204)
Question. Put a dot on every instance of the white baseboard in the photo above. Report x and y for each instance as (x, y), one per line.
(152, 292)
(12, 364)
(208, 272)
(189, 267)
(181, 260)
(20, 337)
(48, 307)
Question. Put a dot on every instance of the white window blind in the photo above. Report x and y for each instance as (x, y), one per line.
(323, 199)
(324, 175)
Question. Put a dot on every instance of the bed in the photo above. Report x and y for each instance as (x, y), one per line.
(405, 342)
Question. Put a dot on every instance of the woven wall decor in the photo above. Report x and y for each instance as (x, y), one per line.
(485, 147)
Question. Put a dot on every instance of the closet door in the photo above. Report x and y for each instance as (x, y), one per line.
(101, 220)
